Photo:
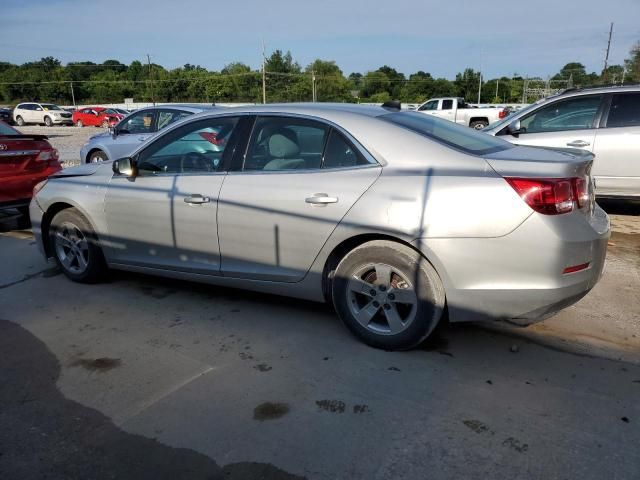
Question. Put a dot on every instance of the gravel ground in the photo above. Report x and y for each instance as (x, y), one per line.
(68, 140)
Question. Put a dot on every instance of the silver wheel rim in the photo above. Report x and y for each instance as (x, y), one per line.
(479, 126)
(79, 124)
(382, 299)
(72, 248)
(95, 158)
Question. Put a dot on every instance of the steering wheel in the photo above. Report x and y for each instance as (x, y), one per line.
(195, 162)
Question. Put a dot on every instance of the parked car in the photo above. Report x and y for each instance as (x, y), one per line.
(455, 109)
(48, 114)
(390, 215)
(134, 129)
(25, 160)
(604, 121)
(6, 116)
(97, 117)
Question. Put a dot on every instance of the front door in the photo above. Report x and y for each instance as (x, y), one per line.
(297, 181)
(568, 123)
(165, 217)
(131, 132)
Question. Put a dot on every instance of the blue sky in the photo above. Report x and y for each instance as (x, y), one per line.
(441, 37)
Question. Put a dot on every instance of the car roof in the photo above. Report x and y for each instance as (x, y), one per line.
(324, 110)
(190, 107)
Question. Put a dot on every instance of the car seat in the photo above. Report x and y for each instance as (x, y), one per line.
(284, 151)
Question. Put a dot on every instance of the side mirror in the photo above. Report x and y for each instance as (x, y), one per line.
(515, 128)
(124, 166)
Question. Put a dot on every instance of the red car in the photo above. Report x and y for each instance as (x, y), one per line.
(96, 116)
(25, 160)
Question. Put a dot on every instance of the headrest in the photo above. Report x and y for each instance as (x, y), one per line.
(283, 144)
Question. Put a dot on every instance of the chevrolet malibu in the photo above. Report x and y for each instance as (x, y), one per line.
(396, 218)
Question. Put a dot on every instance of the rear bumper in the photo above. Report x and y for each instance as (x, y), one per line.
(519, 276)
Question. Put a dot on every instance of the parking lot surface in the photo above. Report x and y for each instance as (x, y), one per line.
(142, 377)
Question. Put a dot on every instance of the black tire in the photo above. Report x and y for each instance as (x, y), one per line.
(20, 121)
(105, 124)
(47, 121)
(67, 224)
(24, 211)
(97, 156)
(411, 276)
(478, 124)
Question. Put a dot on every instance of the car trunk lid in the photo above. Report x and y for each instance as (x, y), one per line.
(19, 153)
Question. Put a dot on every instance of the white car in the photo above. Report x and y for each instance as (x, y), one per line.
(41, 113)
(455, 109)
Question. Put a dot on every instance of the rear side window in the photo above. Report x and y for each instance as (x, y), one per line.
(447, 104)
(624, 110)
(283, 143)
(462, 138)
(340, 153)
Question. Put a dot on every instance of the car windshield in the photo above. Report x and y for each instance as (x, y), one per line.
(462, 138)
(6, 130)
(50, 106)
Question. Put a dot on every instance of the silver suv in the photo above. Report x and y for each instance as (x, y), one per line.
(134, 129)
(39, 113)
(604, 121)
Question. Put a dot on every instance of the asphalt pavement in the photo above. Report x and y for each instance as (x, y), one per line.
(143, 377)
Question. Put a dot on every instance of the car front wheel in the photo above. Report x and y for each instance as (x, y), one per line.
(75, 247)
(47, 121)
(97, 156)
(20, 121)
(388, 295)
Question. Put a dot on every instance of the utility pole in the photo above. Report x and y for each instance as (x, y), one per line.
(497, 83)
(264, 76)
(606, 57)
(153, 97)
(313, 86)
(73, 97)
(479, 87)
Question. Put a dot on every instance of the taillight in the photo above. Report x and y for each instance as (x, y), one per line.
(503, 113)
(47, 155)
(581, 192)
(550, 196)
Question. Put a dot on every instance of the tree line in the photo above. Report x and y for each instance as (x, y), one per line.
(285, 79)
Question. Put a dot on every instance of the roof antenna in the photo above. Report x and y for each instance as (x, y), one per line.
(392, 105)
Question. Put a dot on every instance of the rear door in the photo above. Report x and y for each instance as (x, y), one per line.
(293, 185)
(617, 147)
(566, 123)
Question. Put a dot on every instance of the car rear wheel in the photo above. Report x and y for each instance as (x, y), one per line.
(75, 247)
(97, 156)
(79, 124)
(478, 124)
(47, 121)
(20, 121)
(388, 295)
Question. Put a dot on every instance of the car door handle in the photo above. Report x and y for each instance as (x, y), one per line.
(578, 143)
(321, 199)
(197, 199)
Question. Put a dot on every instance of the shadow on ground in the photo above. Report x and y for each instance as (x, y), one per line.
(45, 435)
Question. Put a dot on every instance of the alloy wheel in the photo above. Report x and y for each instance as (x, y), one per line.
(382, 299)
(72, 248)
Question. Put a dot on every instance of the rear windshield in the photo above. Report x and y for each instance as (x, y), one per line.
(6, 129)
(457, 136)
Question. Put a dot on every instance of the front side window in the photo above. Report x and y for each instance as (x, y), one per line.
(576, 113)
(281, 143)
(167, 117)
(624, 110)
(50, 106)
(457, 136)
(194, 148)
(432, 105)
(141, 122)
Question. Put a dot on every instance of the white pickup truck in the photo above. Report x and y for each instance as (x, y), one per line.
(455, 109)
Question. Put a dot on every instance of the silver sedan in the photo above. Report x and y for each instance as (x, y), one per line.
(396, 218)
